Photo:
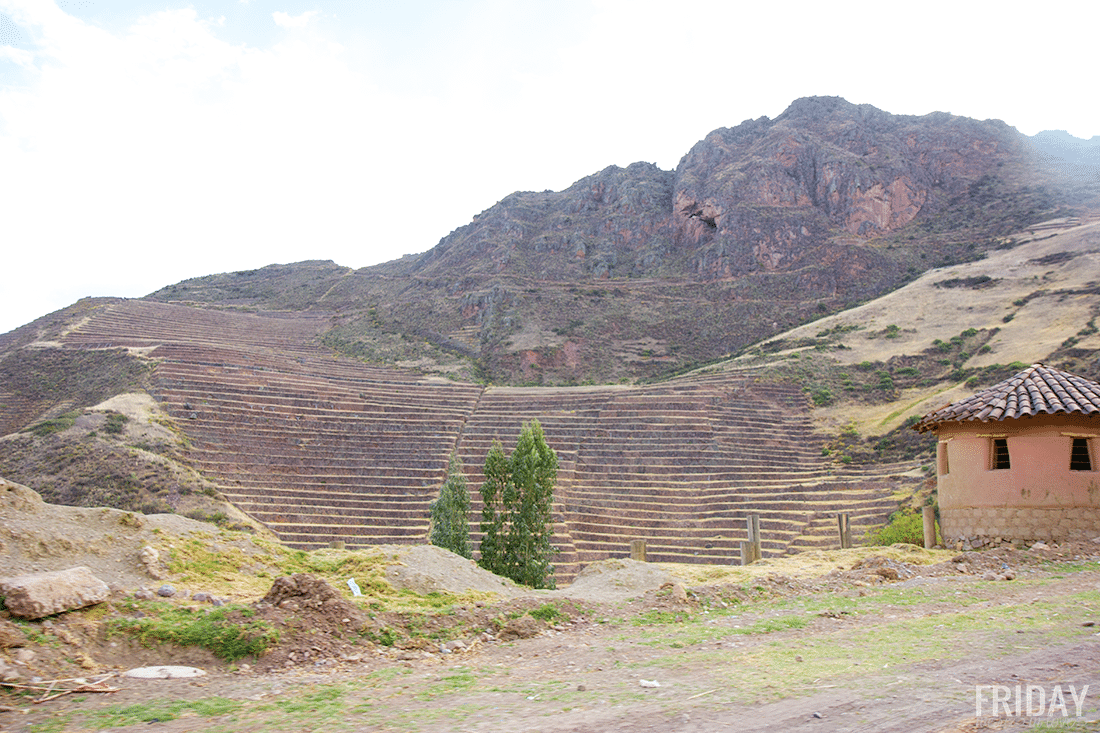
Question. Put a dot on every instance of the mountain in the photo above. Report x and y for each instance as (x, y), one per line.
(755, 328)
(639, 273)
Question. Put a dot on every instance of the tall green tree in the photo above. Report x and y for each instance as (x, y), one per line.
(517, 497)
(494, 515)
(450, 512)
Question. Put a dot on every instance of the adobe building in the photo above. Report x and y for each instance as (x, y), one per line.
(1019, 461)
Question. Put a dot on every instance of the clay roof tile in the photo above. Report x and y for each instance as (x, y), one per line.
(1037, 389)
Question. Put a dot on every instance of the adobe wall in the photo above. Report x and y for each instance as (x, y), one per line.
(1037, 498)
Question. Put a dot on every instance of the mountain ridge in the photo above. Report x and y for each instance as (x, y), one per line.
(639, 273)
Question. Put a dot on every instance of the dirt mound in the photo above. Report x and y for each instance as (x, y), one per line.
(314, 621)
(40, 537)
(614, 580)
(426, 569)
(315, 598)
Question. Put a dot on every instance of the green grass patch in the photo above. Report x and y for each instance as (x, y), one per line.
(49, 427)
(657, 617)
(462, 679)
(770, 625)
(228, 632)
(159, 711)
(548, 613)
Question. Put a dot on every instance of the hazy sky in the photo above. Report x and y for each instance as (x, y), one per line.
(143, 142)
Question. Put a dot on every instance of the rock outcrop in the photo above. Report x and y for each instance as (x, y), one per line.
(760, 227)
(44, 594)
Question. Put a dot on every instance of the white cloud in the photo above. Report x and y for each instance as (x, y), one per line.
(293, 21)
(132, 161)
(138, 158)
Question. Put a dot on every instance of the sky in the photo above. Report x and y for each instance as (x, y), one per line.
(144, 142)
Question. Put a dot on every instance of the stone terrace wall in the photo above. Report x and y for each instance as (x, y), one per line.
(322, 448)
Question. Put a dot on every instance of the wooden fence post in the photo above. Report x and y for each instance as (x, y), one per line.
(928, 514)
(750, 550)
(844, 525)
(637, 550)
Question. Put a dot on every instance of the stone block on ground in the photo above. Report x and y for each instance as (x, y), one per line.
(44, 594)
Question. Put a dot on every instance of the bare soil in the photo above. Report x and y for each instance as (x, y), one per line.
(875, 639)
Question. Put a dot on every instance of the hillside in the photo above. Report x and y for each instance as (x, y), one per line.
(640, 273)
(931, 254)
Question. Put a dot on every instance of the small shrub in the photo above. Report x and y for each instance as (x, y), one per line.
(548, 613)
(115, 423)
(905, 526)
(49, 427)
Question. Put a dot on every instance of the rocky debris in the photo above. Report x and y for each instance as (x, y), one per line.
(315, 622)
(305, 591)
(679, 593)
(150, 558)
(990, 564)
(9, 672)
(523, 627)
(44, 594)
(10, 635)
(886, 568)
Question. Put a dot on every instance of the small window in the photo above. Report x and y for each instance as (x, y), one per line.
(941, 459)
(1000, 454)
(1079, 459)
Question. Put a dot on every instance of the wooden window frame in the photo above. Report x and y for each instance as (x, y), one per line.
(1074, 454)
(995, 455)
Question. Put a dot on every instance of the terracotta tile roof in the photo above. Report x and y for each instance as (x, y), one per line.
(1037, 389)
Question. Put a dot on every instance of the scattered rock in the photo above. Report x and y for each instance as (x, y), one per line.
(44, 594)
(1040, 546)
(166, 591)
(10, 635)
(8, 673)
(150, 558)
(649, 683)
(523, 627)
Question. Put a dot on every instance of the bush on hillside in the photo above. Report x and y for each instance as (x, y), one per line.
(905, 526)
